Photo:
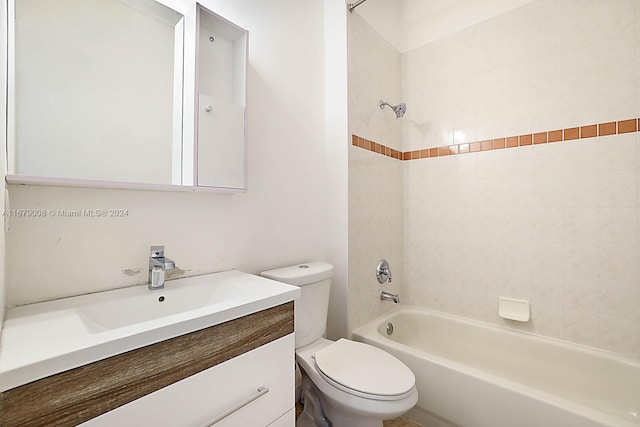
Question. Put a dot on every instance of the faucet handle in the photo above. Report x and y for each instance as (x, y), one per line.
(157, 251)
(157, 278)
(383, 272)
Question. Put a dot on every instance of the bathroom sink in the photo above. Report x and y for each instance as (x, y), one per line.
(121, 308)
(42, 339)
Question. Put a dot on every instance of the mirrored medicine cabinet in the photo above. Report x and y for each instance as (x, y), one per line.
(140, 94)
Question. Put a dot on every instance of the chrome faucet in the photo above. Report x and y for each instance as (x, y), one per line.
(387, 296)
(383, 271)
(158, 264)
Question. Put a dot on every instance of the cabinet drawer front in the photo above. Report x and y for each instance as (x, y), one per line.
(287, 420)
(227, 392)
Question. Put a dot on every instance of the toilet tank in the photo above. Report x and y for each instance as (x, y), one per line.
(310, 310)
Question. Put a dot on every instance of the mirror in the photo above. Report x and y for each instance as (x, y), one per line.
(97, 91)
(221, 115)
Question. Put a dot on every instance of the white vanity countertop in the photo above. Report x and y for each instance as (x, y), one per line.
(39, 340)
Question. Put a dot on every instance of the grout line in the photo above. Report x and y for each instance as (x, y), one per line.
(538, 138)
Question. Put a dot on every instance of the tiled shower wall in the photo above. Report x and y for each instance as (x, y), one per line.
(555, 223)
(375, 182)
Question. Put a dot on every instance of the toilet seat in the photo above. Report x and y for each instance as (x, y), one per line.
(363, 370)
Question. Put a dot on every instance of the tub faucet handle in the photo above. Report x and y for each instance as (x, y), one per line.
(383, 271)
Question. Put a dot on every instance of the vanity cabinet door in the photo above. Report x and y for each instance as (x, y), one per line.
(287, 420)
(253, 389)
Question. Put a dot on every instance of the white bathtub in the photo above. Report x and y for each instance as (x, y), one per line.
(474, 374)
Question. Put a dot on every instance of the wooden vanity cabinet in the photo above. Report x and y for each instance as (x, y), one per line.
(237, 373)
(253, 389)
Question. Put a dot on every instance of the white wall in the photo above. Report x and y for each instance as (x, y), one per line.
(556, 224)
(337, 155)
(375, 181)
(425, 21)
(281, 219)
(374, 75)
(385, 17)
(508, 76)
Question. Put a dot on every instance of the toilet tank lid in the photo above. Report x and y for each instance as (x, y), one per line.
(301, 274)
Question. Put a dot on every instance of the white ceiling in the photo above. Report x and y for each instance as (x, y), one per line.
(408, 24)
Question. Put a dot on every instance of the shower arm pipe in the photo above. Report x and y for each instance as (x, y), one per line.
(352, 6)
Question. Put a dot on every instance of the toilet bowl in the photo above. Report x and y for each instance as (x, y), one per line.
(345, 383)
(358, 385)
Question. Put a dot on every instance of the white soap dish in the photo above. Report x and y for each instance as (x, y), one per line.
(514, 309)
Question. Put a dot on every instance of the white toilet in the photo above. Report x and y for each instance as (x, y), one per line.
(345, 383)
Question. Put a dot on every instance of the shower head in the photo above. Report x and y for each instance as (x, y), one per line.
(399, 109)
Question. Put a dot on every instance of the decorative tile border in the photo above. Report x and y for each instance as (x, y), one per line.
(375, 147)
(548, 137)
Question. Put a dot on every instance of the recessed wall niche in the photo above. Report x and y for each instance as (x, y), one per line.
(221, 93)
